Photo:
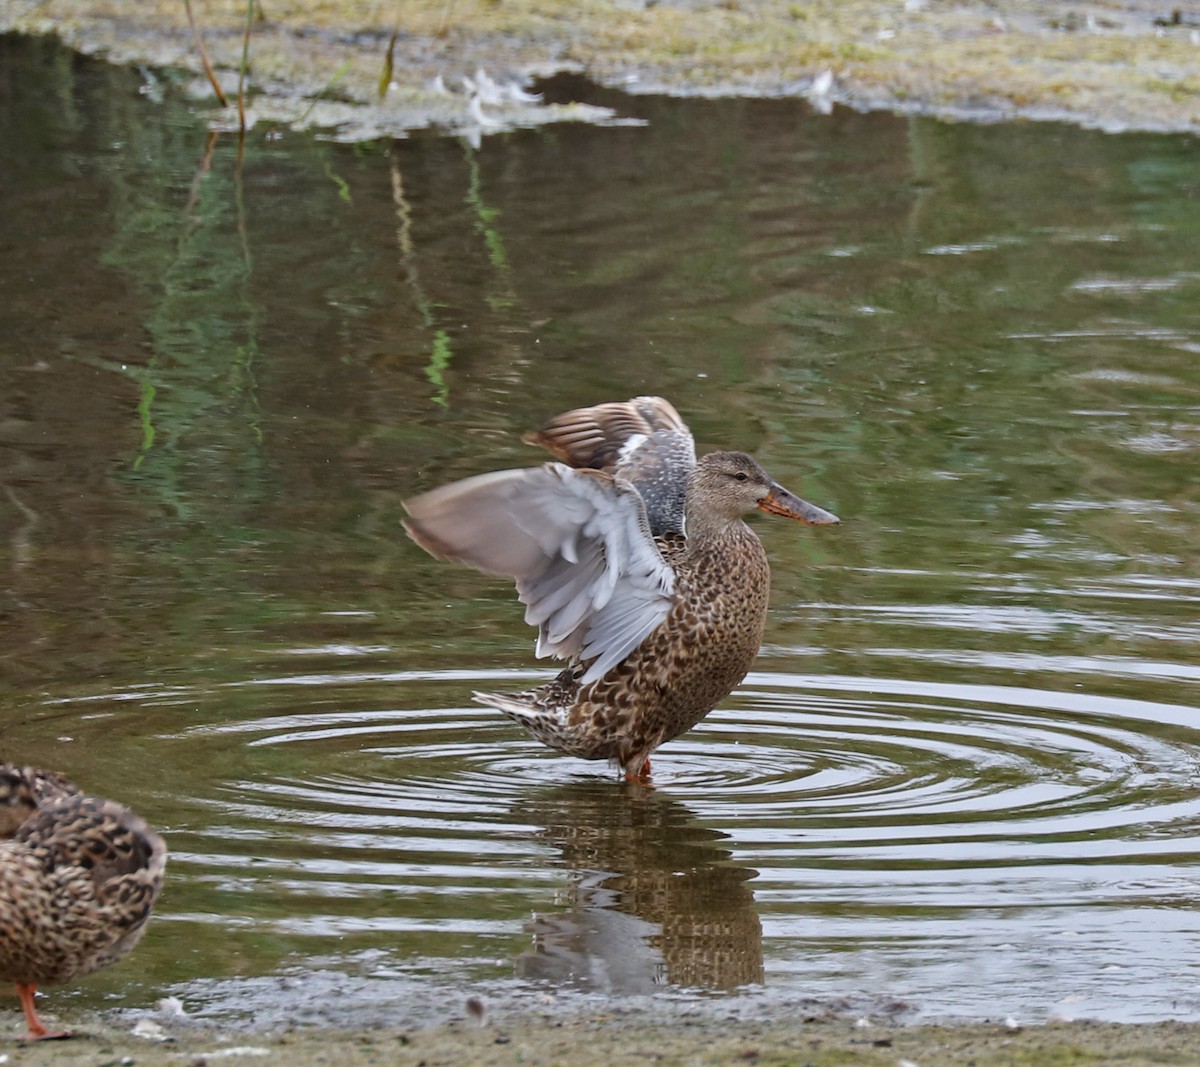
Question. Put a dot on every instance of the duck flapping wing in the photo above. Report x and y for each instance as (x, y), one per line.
(578, 545)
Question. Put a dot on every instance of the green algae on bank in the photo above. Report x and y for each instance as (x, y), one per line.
(1114, 64)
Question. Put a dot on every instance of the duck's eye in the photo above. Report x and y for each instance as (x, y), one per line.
(741, 476)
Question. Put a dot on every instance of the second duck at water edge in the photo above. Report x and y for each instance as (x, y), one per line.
(79, 876)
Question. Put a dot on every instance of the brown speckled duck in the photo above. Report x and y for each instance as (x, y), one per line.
(635, 564)
(79, 876)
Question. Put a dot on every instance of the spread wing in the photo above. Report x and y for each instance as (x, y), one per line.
(578, 545)
(642, 441)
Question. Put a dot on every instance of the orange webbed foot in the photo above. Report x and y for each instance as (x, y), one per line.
(49, 1035)
(37, 1032)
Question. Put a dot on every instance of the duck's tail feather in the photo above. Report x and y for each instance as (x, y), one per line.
(517, 706)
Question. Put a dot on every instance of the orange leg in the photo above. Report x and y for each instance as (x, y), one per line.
(643, 775)
(37, 1032)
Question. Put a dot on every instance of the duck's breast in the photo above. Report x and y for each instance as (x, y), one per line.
(717, 623)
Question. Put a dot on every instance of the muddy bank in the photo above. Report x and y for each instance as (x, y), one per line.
(1118, 65)
(606, 1039)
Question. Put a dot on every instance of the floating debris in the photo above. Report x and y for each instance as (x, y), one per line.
(819, 91)
(149, 1030)
(172, 1007)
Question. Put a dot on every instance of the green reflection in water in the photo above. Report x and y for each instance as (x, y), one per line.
(194, 269)
(485, 222)
(441, 350)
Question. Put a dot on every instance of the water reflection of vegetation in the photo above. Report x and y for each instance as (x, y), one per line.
(485, 223)
(198, 386)
(441, 352)
(498, 298)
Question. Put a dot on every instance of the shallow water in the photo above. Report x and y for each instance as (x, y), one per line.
(962, 779)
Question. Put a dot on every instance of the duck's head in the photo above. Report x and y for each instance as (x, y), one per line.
(729, 485)
(18, 800)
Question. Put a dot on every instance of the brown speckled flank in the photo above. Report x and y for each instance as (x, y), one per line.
(79, 876)
(634, 562)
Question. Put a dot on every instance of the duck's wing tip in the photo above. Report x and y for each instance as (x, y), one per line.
(500, 523)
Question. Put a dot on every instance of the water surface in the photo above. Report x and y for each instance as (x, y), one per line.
(961, 780)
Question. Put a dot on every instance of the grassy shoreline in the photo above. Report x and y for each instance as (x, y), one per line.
(1114, 64)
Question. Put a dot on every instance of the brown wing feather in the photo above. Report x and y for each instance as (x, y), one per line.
(594, 437)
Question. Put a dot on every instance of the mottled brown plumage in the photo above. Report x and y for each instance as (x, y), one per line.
(634, 563)
(79, 876)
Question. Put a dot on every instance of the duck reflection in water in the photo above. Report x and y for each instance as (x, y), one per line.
(653, 899)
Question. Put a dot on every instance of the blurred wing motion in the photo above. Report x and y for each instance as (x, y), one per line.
(578, 545)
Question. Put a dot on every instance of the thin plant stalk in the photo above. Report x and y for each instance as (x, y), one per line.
(208, 69)
(328, 88)
(245, 65)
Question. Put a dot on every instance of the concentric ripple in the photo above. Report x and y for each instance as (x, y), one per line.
(976, 761)
(971, 849)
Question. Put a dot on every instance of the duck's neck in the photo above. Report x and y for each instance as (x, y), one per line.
(703, 528)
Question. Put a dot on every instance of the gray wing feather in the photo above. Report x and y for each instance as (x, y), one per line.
(576, 542)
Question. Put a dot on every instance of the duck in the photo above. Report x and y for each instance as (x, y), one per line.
(79, 877)
(634, 563)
